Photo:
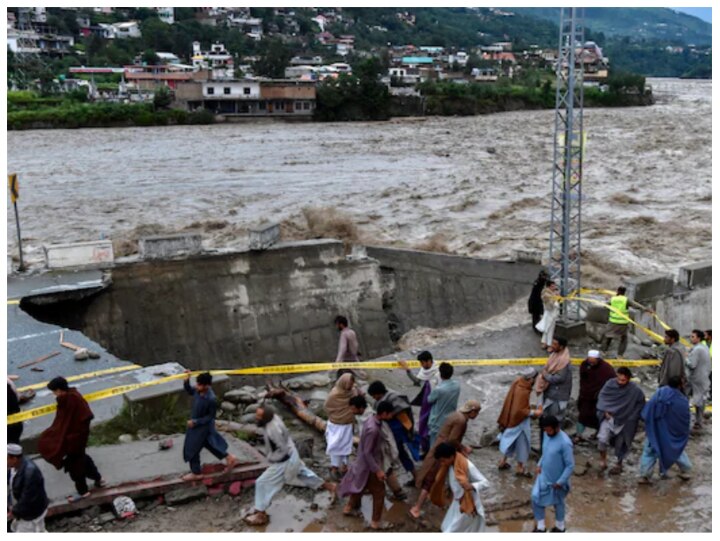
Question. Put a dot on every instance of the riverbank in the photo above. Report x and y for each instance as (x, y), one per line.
(437, 100)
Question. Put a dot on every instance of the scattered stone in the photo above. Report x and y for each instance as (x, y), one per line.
(93, 512)
(305, 447)
(143, 434)
(106, 517)
(318, 395)
(251, 409)
(75, 521)
(185, 495)
(93, 354)
(248, 418)
(314, 506)
(306, 385)
(235, 488)
(125, 438)
(244, 395)
(488, 438)
(82, 354)
(228, 406)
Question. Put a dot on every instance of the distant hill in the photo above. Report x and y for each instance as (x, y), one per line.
(651, 24)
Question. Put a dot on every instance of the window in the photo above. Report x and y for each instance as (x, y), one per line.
(263, 105)
(246, 90)
(226, 90)
(306, 105)
(211, 90)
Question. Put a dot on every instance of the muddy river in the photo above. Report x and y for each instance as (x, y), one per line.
(475, 185)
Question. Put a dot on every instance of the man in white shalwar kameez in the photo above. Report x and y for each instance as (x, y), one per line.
(285, 466)
(466, 513)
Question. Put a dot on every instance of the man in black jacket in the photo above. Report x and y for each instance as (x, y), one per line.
(29, 501)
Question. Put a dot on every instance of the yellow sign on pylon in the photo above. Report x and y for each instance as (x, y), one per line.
(14, 187)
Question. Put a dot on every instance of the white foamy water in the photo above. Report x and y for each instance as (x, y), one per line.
(479, 184)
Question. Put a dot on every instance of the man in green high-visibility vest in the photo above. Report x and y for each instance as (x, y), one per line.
(617, 326)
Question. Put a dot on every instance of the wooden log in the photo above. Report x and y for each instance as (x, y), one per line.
(296, 405)
(41, 359)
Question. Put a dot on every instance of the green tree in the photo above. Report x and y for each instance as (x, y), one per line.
(150, 58)
(273, 60)
(162, 98)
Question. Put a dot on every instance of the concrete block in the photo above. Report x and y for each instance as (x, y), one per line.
(597, 314)
(571, 330)
(186, 495)
(264, 236)
(529, 256)
(169, 246)
(697, 275)
(96, 254)
(650, 288)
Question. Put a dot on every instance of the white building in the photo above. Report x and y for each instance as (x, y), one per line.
(166, 15)
(231, 90)
(127, 30)
(217, 60)
(251, 26)
(461, 57)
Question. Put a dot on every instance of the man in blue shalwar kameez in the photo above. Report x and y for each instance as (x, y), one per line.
(555, 467)
(201, 427)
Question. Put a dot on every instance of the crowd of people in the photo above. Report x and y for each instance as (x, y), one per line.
(432, 450)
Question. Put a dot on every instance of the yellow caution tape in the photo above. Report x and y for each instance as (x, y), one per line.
(13, 301)
(294, 369)
(660, 322)
(87, 375)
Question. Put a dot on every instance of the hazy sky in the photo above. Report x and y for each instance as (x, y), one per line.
(703, 13)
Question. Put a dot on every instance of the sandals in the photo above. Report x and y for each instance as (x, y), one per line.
(102, 483)
(616, 470)
(524, 473)
(383, 526)
(192, 477)
(504, 466)
(352, 513)
(77, 497)
(257, 519)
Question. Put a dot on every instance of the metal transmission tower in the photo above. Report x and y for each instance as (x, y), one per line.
(564, 263)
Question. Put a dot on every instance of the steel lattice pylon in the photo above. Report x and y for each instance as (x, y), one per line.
(565, 223)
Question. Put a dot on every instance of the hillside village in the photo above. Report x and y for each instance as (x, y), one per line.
(208, 75)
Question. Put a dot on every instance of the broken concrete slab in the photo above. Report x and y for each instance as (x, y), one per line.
(137, 470)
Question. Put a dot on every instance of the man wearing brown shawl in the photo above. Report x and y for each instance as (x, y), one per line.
(466, 513)
(341, 419)
(452, 432)
(63, 444)
(594, 372)
(514, 422)
(554, 382)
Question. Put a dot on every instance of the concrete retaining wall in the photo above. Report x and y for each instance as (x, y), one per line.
(97, 254)
(424, 289)
(686, 305)
(241, 309)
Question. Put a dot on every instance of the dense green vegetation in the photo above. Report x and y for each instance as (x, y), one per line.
(633, 38)
(354, 97)
(636, 23)
(29, 110)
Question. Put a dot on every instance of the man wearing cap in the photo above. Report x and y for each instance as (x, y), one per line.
(594, 373)
(28, 501)
(514, 422)
(452, 432)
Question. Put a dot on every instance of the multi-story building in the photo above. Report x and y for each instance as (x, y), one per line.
(249, 97)
(218, 61)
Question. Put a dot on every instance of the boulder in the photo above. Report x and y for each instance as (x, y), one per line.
(244, 395)
(250, 408)
(227, 406)
(81, 354)
(305, 447)
(125, 438)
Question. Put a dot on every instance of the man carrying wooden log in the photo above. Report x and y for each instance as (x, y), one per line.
(285, 465)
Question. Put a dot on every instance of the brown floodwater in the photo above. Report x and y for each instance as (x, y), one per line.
(475, 185)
